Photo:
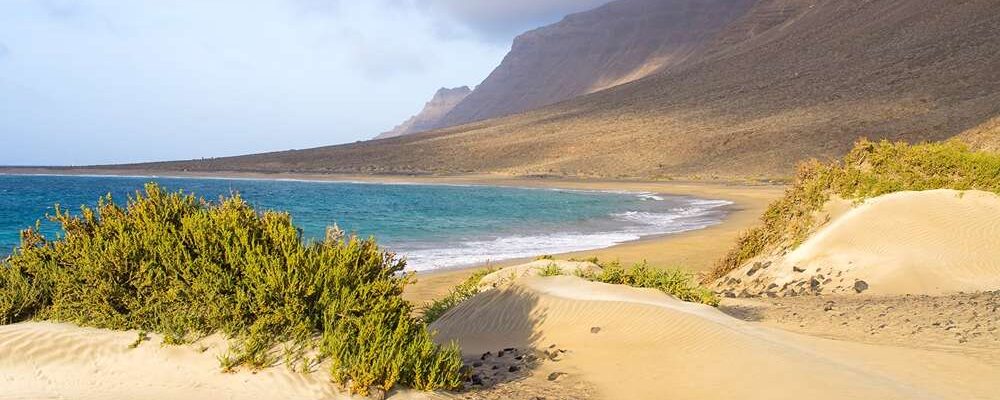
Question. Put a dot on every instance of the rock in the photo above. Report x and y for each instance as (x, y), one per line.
(513, 368)
(500, 353)
(797, 269)
(860, 286)
(556, 375)
(477, 364)
(595, 329)
(486, 354)
(476, 380)
(753, 269)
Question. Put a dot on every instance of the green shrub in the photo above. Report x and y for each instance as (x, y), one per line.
(458, 294)
(672, 281)
(186, 268)
(869, 170)
(552, 269)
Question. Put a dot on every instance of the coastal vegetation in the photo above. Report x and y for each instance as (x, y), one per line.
(186, 268)
(871, 169)
(672, 281)
(457, 294)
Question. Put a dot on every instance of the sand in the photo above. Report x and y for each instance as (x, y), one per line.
(928, 242)
(41, 360)
(649, 345)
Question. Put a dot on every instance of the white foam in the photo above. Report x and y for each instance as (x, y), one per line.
(695, 214)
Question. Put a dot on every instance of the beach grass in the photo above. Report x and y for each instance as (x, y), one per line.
(673, 281)
(871, 169)
(186, 268)
(463, 291)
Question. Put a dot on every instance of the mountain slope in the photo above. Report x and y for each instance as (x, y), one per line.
(617, 43)
(789, 79)
(443, 101)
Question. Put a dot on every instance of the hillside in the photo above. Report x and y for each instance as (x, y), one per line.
(788, 79)
(589, 51)
(444, 100)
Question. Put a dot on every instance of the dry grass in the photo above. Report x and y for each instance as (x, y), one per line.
(871, 169)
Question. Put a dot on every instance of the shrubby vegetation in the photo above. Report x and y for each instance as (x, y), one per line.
(186, 268)
(458, 294)
(871, 169)
(672, 281)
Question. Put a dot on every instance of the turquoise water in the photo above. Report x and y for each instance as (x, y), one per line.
(434, 226)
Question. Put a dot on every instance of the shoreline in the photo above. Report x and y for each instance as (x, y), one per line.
(694, 251)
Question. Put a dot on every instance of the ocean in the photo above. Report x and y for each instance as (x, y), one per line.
(433, 226)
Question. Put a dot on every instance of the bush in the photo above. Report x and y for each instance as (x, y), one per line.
(178, 265)
(458, 294)
(869, 170)
(673, 281)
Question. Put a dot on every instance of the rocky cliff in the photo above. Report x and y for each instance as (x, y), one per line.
(430, 116)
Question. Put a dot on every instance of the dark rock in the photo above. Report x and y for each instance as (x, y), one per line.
(477, 380)
(797, 269)
(556, 375)
(486, 354)
(477, 364)
(500, 353)
(595, 329)
(860, 286)
(513, 368)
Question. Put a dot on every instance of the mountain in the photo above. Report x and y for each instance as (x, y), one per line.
(593, 50)
(443, 101)
(783, 81)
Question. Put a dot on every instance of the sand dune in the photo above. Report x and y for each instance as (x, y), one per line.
(928, 242)
(41, 360)
(648, 345)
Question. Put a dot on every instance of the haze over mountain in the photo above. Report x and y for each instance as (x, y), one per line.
(745, 95)
(444, 100)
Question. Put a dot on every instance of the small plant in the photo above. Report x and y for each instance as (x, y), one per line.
(871, 169)
(458, 294)
(142, 336)
(672, 281)
(552, 269)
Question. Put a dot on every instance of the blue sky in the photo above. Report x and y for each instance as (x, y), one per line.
(110, 81)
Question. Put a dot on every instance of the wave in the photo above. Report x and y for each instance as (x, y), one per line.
(694, 214)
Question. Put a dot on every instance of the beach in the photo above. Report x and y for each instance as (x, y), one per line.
(694, 251)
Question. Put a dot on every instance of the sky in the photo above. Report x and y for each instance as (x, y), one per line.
(112, 81)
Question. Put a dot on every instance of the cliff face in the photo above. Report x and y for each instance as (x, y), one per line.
(443, 101)
(616, 43)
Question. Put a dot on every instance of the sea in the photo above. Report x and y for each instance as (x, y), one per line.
(432, 226)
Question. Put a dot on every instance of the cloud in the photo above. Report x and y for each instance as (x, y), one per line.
(502, 20)
(62, 8)
(4, 51)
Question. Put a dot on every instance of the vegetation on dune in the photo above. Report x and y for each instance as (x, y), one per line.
(672, 281)
(178, 265)
(871, 169)
(458, 294)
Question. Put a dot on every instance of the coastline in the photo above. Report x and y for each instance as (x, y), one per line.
(693, 250)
